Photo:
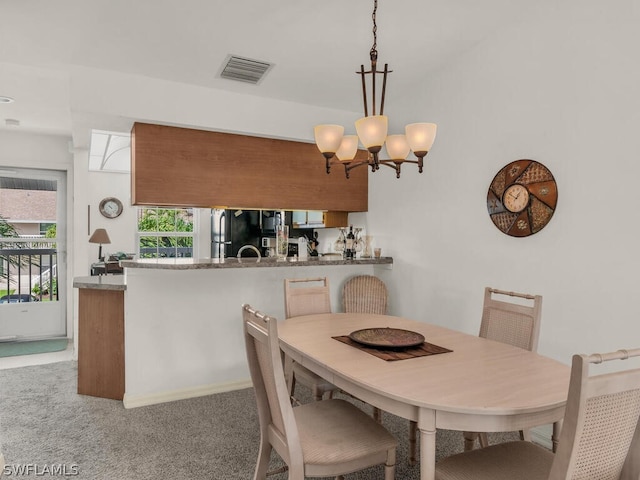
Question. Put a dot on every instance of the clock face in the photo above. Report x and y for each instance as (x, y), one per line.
(515, 198)
(522, 198)
(110, 207)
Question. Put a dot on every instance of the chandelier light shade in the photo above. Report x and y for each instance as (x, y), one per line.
(372, 129)
(421, 136)
(328, 139)
(398, 148)
(348, 148)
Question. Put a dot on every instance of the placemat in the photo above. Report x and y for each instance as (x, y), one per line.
(391, 355)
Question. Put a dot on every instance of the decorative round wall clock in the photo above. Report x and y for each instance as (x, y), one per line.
(110, 207)
(522, 198)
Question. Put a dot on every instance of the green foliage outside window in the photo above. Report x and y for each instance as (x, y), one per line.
(174, 223)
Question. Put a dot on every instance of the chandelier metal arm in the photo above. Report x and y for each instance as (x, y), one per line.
(348, 166)
(374, 162)
(418, 135)
(364, 90)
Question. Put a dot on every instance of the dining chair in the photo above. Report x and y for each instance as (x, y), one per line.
(306, 296)
(515, 323)
(365, 294)
(600, 437)
(319, 439)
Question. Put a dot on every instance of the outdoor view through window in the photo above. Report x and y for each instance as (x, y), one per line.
(28, 259)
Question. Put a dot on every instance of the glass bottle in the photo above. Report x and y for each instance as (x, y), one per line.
(349, 246)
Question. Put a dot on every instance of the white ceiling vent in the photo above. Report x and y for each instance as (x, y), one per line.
(244, 69)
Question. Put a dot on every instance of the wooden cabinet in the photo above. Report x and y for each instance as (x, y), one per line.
(101, 343)
(173, 166)
(326, 219)
(335, 219)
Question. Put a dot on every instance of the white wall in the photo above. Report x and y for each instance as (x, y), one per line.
(563, 89)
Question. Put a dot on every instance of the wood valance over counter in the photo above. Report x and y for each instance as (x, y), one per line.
(173, 166)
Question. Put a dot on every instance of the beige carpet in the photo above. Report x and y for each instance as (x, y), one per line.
(44, 422)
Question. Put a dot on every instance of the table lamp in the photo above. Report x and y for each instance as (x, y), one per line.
(99, 236)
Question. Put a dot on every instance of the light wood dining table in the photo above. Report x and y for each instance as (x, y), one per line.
(480, 386)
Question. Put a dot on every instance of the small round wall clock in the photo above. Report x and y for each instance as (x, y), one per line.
(522, 198)
(110, 207)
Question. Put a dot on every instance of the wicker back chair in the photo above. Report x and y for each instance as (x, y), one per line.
(306, 296)
(600, 437)
(516, 324)
(318, 439)
(365, 294)
(511, 323)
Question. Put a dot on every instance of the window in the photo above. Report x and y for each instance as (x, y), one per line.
(165, 232)
(48, 230)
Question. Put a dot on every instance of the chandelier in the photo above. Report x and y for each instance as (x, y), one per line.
(372, 129)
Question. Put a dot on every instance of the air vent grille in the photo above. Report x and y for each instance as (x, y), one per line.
(244, 69)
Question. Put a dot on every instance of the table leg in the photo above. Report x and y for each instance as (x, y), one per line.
(427, 427)
(555, 436)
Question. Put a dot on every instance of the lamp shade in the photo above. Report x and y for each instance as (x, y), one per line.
(99, 236)
(328, 137)
(372, 131)
(420, 137)
(348, 148)
(397, 147)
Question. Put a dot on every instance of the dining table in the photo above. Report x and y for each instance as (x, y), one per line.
(466, 383)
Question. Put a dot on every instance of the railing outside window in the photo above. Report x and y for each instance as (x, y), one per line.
(28, 270)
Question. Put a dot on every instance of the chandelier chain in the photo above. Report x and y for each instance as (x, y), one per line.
(374, 52)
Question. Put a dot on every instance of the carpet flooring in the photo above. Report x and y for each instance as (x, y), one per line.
(44, 422)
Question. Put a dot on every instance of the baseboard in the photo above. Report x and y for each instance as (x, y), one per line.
(133, 401)
(542, 435)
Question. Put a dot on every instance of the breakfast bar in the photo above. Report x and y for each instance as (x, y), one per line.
(182, 328)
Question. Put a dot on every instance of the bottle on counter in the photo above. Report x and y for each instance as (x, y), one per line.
(349, 248)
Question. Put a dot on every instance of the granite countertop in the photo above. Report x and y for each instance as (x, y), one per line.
(248, 262)
(101, 282)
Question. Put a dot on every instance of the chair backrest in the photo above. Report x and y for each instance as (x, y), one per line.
(511, 323)
(600, 436)
(365, 294)
(306, 296)
(277, 422)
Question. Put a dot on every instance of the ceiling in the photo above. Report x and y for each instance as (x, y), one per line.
(315, 47)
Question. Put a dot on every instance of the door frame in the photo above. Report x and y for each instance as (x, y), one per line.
(58, 327)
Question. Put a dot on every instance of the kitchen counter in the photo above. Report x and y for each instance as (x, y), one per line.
(178, 322)
(248, 262)
(101, 282)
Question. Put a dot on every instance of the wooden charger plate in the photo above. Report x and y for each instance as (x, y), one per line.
(387, 337)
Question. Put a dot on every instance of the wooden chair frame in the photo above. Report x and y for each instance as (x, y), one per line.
(302, 299)
(306, 300)
(600, 436)
(318, 439)
(512, 323)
